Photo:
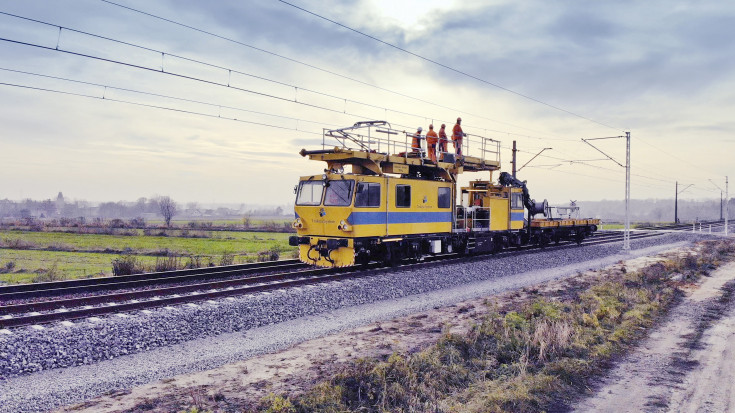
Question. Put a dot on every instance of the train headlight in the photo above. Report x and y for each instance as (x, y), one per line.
(297, 223)
(344, 226)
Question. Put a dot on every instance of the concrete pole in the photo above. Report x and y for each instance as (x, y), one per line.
(676, 204)
(727, 204)
(514, 159)
(626, 235)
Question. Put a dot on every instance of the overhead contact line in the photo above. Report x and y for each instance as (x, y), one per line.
(323, 70)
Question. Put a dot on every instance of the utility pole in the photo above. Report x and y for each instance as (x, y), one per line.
(514, 159)
(727, 202)
(626, 235)
(676, 201)
(676, 204)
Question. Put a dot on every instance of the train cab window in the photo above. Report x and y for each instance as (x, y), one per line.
(403, 196)
(445, 198)
(339, 193)
(516, 200)
(310, 193)
(367, 194)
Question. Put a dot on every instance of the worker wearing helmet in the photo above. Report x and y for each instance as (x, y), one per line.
(442, 148)
(431, 139)
(416, 141)
(457, 136)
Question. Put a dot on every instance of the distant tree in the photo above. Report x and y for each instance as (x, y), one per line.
(168, 208)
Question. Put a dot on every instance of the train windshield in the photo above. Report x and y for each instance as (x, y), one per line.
(339, 193)
(310, 193)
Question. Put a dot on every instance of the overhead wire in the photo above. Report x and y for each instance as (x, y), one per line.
(147, 105)
(448, 67)
(229, 70)
(330, 72)
(163, 96)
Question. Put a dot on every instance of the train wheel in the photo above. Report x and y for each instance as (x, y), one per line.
(393, 256)
(579, 238)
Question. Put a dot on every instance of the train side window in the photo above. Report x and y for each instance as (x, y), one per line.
(368, 194)
(339, 193)
(310, 193)
(445, 197)
(516, 201)
(403, 196)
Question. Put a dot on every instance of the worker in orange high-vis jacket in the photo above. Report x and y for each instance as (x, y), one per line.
(442, 147)
(457, 136)
(431, 139)
(416, 141)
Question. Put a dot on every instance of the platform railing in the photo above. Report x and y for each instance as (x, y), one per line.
(380, 137)
(470, 219)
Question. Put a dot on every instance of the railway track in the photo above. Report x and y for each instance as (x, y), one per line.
(200, 287)
(702, 226)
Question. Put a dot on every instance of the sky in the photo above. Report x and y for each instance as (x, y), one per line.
(211, 102)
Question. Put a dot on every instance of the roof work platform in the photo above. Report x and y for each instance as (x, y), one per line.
(375, 148)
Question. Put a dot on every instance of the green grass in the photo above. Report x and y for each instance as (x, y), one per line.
(80, 255)
(69, 264)
(220, 243)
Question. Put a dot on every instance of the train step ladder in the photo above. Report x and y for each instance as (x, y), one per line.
(471, 243)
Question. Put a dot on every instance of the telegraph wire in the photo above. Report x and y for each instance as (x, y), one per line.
(225, 38)
(448, 67)
(230, 71)
(189, 112)
(163, 96)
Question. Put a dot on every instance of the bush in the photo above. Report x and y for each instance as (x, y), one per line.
(171, 262)
(227, 259)
(271, 254)
(8, 267)
(126, 265)
(49, 275)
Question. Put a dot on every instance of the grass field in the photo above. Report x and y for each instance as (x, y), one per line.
(78, 255)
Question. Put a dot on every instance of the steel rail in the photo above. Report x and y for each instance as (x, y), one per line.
(217, 289)
(144, 282)
(135, 277)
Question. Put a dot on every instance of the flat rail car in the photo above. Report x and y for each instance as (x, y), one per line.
(379, 199)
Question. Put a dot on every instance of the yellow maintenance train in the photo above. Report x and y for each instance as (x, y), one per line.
(393, 203)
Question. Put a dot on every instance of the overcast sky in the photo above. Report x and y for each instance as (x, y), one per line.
(663, 70)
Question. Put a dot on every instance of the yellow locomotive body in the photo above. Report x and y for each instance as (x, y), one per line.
(395, 203)
(334, 210)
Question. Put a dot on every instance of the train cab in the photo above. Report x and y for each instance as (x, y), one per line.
(343, 219)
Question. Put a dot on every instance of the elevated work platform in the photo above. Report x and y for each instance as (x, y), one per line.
(374, 148)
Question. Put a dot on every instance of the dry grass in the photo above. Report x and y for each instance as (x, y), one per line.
(526, 359)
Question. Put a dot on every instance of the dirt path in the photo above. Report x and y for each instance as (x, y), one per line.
(687, 364)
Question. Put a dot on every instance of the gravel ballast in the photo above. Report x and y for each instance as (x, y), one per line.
(119, 352)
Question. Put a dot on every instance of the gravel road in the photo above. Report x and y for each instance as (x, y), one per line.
(119, 352)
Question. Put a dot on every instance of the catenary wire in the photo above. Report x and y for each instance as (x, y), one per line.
(189, 112)
(295, 87)
(449, 67)
(164, 96)
(228, 39)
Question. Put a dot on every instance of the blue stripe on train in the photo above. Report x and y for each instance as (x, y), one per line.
(517, 216)
(373, 218)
